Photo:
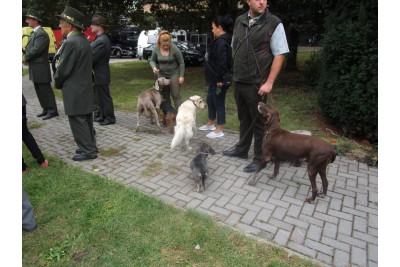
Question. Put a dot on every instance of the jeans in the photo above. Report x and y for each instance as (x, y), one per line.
(216, 104)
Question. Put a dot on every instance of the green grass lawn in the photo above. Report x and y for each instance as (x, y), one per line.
(87, 220)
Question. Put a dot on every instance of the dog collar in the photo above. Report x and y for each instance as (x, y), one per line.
(194, 102)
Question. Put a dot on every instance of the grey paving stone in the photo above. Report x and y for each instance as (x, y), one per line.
(296, 222)
(298, 235)
(324, 258)
(358, 256)
(264, 215)
(249, 217)
(345, 227)
(341, 259)
(207, 203)
(373, 252)
(341, 215)
(335, 243)
(294, 211)
(330, 230)
(364, 236)
(328, 250)
(220, 211)
(279, 213)
(326, 218)
(233, 219)
(281, 224)
(360, 224)
(352, 241)
(237, 199)
(248, 229)
(302, 249)
(282, 237)
(314, 233)
(222, 201)
(236, 209)
(311, 220)
(193, 204)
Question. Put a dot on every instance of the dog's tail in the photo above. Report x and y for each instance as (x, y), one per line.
(179, 136)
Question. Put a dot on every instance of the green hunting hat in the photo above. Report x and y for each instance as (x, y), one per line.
(33, 14)
(99, 20)
(73, 16)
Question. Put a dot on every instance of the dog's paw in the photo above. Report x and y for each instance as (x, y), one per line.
(321, 194)
(310, 200)
(252, 182)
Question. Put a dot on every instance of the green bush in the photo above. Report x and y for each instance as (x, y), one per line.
(348, 84)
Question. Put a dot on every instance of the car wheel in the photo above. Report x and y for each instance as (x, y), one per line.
(118, 53)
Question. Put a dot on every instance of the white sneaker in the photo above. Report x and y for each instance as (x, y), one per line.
(207, 128)
(215, 135)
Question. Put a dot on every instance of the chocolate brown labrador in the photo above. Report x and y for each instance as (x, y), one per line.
(281, 145)
(149, 102)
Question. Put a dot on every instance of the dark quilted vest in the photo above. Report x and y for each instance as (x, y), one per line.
(253, 55)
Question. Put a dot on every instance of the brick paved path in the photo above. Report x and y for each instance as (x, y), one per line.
(339, 230)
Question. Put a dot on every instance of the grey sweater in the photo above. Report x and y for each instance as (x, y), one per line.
(171, 65)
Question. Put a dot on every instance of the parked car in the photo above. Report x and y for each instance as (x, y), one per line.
(190, 54)
(144, 42)
(120, 50)
(147, 51)
(125, 35)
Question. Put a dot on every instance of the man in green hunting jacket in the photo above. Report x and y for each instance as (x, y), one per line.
(36, 57)
(74, 77)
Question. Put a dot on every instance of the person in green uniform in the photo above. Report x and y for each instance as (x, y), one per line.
(37, 58)
(74, 77)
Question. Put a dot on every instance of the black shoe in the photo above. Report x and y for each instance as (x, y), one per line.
(233, 153)
(106, 122)
(98, 119)
(30, 229)
(80, 157)
(250, 168)
(80, 151)
(44, 113)
(50, 115)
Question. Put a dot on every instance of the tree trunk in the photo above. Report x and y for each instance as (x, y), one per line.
(293, 41)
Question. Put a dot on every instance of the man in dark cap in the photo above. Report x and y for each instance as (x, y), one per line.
(101, 50)
(37, 57)
(74, 77)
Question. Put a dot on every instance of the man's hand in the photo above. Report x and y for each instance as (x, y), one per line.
(181, 80)
(266, 88)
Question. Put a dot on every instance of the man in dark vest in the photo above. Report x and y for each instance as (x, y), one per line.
(259, 45)
(101, 51)
(74, 77)
(37, 57)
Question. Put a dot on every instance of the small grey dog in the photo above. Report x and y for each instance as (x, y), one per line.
(199, 165)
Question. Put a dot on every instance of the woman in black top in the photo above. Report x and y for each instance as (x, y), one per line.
(217, 68)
